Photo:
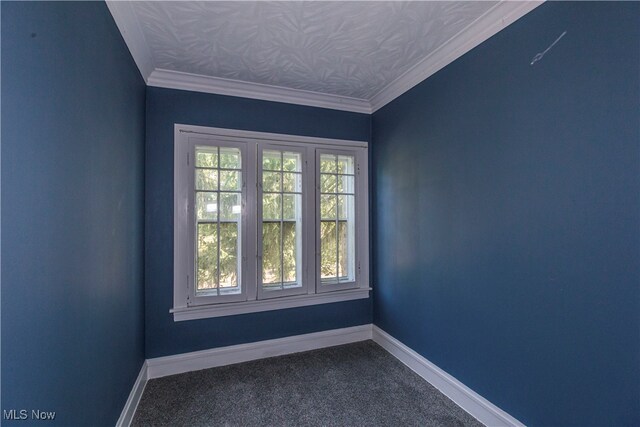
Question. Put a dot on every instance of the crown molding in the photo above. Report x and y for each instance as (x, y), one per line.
(497, 18)
(493, 21)
(127, 22)
(200, 83)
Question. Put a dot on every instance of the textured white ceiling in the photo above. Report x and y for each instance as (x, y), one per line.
(352, 49)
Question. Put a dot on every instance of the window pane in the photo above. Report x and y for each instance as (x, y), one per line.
(289, 255)
(271, 206)
(230, 180)
(328, 163)
(345, 255)
(207, 206)
(345, 207)
(207, 157)
(230, 158)
(207, 179)
(292, 162)
(292, 182)
(328, 183)
(271, 160)
(328, 252)
(207, 256)
(271, 181)
(346, 184)
(291, 206)
(345, 164)
(271, 262)
(230, 206)
(328, 207)
(229, 255)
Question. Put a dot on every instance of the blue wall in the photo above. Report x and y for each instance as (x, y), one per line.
(507, 213)
(165, 107)
(72, 213)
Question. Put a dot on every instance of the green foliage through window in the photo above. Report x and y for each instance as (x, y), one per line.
(337, 208)
(218, 201)
(281, 219)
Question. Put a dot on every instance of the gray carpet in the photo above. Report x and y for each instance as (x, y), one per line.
(351, 385)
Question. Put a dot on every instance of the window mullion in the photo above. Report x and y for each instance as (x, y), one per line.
(281, 220)
(218, 227)
(309, 227)
(337, 237)
(253, 199)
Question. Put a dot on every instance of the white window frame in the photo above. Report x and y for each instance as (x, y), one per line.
(194, 142)
(307, 209)
(186, 304)
(361, 210)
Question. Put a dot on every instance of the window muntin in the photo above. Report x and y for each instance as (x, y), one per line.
(337, 218)
(217, 225)
(280, 215)
(218, 220)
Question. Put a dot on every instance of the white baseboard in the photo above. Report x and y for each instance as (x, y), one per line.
(186, 362)
(134, 398)
(476, 405)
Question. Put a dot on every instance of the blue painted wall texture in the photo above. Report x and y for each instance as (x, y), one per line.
(506, 217)
(72, 213)
(166, 107)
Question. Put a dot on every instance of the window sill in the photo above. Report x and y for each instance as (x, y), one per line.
(233, 308)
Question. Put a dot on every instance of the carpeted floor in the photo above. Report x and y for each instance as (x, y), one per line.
(351, 385)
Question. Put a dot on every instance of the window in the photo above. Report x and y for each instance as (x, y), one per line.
(217, 231)
(266, 221)
(280, 254)
(337, 219)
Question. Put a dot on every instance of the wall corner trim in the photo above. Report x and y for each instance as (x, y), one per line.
(129, 410)
(476, 405)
